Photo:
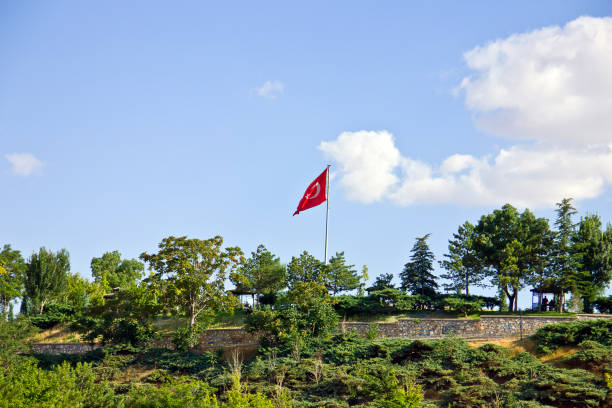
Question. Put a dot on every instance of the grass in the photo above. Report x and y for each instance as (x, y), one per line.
(167, 324)
(57, 334)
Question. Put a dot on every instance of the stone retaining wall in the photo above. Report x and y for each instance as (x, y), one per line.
(64, 348)
(487, 327)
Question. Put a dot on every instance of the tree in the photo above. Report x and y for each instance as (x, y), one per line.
(363, 280)
(513, 246)
(417, 276)
(306, 268)
(192, 274)
(594, 247)
(381, 282)
(46, 277)
(462, 263)
(112, 270)
(262, 273)
(564, 264)
(12, 268)
(339, 276)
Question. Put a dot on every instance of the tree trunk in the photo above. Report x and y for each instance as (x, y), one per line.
(192, 316)
(510, 299)
(467, 285)
(42, 307)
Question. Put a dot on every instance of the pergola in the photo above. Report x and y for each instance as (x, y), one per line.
(546, 288)
(246, 296)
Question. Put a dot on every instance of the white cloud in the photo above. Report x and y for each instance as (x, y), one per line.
(551, 87)
(371, 168)
(552, 84)
(366, 161)
(24, 164)
(271, 89)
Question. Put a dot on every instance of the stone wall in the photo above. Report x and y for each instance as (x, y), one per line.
(487, 327)
(64, 348)
(483, 328)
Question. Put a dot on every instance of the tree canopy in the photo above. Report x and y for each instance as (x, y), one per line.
(113, 271)
(46, 276)
(513, 246)
(12, 269)
(339, 276)
(262, 273)
(464, 268)
(417, 277)
(192, 273)
(305, 268)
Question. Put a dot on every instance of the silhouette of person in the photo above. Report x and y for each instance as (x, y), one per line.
(544, 304)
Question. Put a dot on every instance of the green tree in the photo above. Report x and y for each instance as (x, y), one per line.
(363, 280)
(262, 273)
(339, 276)
(12, 268)
(305, 268)
(82, 294)
(564, 261)
(45, 279)
(417, 276)
(381, 282)
(114, 271)
(462, 262)
(513, 246)
(192, 274)
(594, 247)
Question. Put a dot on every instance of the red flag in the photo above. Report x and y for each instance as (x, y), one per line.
(315, 194)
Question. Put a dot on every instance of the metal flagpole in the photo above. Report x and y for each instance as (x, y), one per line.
(327, 210)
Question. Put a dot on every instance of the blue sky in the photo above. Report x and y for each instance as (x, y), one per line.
(124, 122)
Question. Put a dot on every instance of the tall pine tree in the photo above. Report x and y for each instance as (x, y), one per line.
(417, 277)
(462, 263)
(564, 265)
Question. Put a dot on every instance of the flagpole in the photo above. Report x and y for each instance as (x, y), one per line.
(326, 211)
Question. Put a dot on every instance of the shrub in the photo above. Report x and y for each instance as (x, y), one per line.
(553, 336)
(52, 315)
(463, 305)
(185, 338)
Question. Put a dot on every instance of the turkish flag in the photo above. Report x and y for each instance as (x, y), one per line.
(315, 194)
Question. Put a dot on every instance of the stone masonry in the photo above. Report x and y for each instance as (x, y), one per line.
(487, 327)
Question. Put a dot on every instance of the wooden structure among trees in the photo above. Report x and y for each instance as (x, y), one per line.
(538, 293)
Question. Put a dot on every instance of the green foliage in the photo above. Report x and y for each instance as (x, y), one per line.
(262, 273)
(115, 272)
(417, 276)
(381, 282)
(191, 274)
(592, 356)
(339, 276)
(185, 338)
(593, 247)
(303, 312)
(305, 268)
(124, 318)
(53, 314)
(603, 304)
(45, 279)
(26, 385)
(12, 269)
(553, 336)
(462, 305)
(13, 339)
(464, 267)
(514, 247)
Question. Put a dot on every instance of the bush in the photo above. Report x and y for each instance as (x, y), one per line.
(553, 336)
(603, 304)
(463, 305)
(185, 338)
(52, 315)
